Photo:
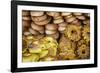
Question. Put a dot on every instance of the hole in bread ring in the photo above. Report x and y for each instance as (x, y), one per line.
(83, 51)
(73, 32)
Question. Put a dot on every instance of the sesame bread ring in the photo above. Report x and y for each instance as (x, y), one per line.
(69, 20)
(50, 32)
(63, 24)
(34, 32)
(26, 23)
(73, 32)
(77, 13)
(39, 18)
(25, 13)
(51, 27)
(36, 13)
(26, 18)
(53, 14)
(44, 22)
(66, 13)
(36, 27)
(57, 21)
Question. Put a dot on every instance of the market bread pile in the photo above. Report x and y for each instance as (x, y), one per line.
(51, 36)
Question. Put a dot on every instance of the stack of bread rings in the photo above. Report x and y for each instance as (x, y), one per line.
(51, 35)
(62, 26)
(40, 18)
(26, 19)
(52, 30)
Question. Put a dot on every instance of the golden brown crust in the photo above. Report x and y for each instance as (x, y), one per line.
(73, 32)
(86, 22)
(68, 55)
(86, 33)
(66, 44)
(83, 52)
